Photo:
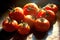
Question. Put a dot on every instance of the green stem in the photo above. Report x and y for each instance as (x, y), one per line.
(42, 19)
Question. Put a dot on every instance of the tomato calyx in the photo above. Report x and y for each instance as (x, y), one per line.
(13, 10)
(9, 20)
(51, 5)
(33, 17)
(42, 20)
(47, 14)
(29, 8)
(23, 24)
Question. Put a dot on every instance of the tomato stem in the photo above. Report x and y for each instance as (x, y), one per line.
(9, 20)
(24, 24)
(29, 8)
(47, 14)
(51, 5)
(42, 20)
(13, 10)
(33, 17)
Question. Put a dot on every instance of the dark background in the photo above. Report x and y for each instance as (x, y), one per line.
(5, 5)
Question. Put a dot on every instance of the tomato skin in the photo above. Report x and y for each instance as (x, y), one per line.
(42, 25)
(40, 13)
(23, 29)
(9, 25)
(30, 9)
(17, 14)
(29, 19)
(52, 7)
(48, 14)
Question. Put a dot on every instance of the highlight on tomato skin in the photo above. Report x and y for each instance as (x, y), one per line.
(42, 11)
(42, 25)
(48, 14)
(24, 28)
(10, 25)
(17, 14)
(30, 9)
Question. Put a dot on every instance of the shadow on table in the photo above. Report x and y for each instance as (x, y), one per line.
(5, 35)
(12, 35)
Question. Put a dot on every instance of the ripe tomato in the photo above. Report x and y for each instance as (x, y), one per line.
(30, 9)
(10, 25)
(24, 28)
(29, 19)
(48, 14)
(17, 14)
(42, 24)
(52, 7)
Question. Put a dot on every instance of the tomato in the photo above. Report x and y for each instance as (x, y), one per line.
(17, 14)
(40, 13)
(52, 7)
(10, 25)
(30, 20)
(24, 28)
(30, 9)
(42, 25)
(48, 14)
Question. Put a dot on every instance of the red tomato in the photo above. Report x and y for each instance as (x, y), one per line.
(29, 19)
(17, 14)
(52, 7)
(48, 14)
(30, 9)
(24, 28)
(10, 25)
(42, 24)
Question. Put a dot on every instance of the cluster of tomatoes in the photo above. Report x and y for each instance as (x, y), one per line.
(30, 16)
